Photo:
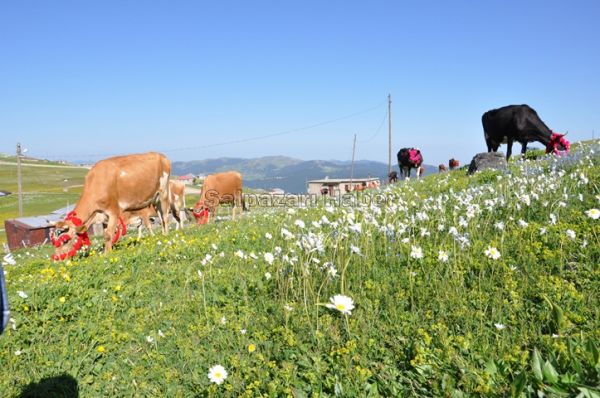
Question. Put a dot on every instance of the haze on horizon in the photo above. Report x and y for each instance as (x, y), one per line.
(200, 80)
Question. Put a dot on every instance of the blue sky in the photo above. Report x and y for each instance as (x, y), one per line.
(198, 79)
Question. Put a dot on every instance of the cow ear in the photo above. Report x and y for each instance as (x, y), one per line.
(80, 229)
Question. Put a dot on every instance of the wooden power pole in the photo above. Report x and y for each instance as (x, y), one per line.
(389, 133)
(352, 165)
(19, 180)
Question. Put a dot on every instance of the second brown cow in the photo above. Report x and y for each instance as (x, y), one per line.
(217, 189)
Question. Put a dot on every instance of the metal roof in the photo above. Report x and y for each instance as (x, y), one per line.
(45, 220)
(64, 210)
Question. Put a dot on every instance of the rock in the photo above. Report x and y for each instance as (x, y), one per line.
(488, 160)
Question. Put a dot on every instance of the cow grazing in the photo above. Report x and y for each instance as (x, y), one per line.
(111, 187)
(409, 158)
(519, 123)
(441, 168)
(453, 164)
(219, 188)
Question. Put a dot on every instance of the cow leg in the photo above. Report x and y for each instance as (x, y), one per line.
(110, 230)
(180, 218)
(165, 204)
(240, 204)
(177, 217)
(148, 225)
(509, 144)
(523, 148)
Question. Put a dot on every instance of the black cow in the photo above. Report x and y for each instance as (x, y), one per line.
(392, 177)
(517, 123)
(409, 158)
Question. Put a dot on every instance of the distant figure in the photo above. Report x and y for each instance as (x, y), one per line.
(392, 177)
(441, 168)
(324, 191)
(453, 164)
(519, 123)
(409, 158)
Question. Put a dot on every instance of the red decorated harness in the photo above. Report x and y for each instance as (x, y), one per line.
(121, 230)
(556, 140)
(201, 215)
(415, 157)
(82, 238)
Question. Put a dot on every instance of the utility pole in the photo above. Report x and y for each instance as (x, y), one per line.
(352, 165)
(389, 133)
(19, 180)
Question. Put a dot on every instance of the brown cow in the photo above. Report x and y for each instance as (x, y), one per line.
(219, 188)
(453, 164)
(111, 187)
(441, 168)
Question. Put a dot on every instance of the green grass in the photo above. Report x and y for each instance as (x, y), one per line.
(44, 189)
(151, 317)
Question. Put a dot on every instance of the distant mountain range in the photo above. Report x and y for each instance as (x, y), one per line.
(284, 172)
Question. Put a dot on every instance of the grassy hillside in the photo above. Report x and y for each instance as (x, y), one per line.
(461, 286)
(44, 188)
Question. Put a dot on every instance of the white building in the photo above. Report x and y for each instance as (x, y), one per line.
(340, 186)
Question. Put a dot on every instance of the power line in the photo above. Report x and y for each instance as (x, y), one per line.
(371, 138)
(236, 141)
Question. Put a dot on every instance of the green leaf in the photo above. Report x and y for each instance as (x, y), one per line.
(490, 367)
(587, 393)
(518, 385)
(297, 393)
(338, 389)
(536, 365)
(558, 317)
(591, 347)
(550, 374)
(557, 391)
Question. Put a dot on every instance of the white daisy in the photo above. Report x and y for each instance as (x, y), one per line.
(343, 304)
(269, 258)
(492, 253)
(217, 374)
(442, 256)
(416, 252)
(593, 213)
